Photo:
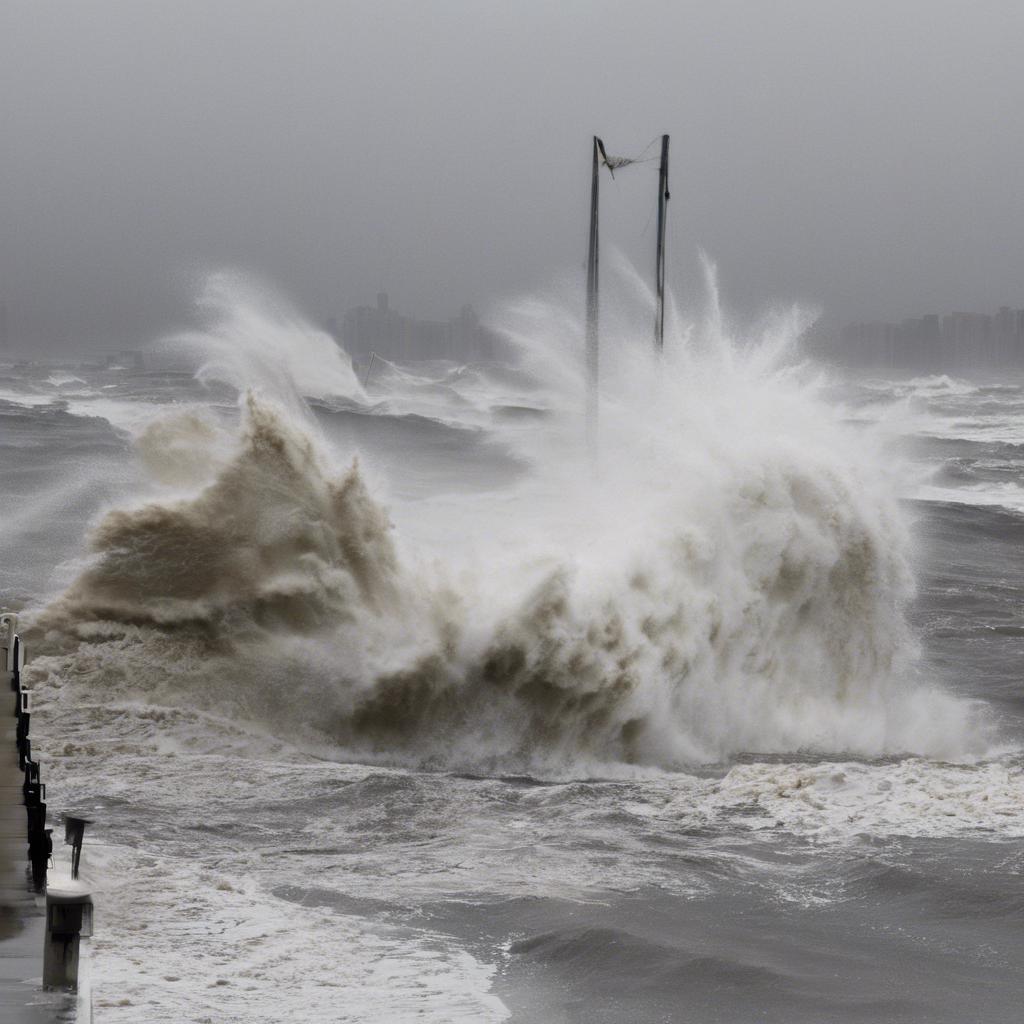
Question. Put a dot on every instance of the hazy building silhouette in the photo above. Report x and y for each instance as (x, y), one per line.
(382, 330)
(956, 342)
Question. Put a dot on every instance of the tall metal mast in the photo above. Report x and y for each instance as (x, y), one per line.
(659, 272)
(592, 307)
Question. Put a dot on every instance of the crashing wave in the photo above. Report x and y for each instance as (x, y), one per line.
(733, 578)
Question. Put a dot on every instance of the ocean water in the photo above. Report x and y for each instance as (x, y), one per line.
(391, 704)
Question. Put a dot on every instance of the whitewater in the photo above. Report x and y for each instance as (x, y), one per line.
(396, 703)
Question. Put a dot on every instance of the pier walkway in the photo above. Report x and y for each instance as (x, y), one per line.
(22, 920)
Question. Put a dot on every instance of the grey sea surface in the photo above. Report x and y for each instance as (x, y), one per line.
(241, 877)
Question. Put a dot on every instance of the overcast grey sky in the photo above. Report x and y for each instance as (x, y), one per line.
(863, 155)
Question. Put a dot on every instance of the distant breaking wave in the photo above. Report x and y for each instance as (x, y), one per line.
(733, 576)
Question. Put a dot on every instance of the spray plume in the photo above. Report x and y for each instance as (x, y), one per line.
(732, 576)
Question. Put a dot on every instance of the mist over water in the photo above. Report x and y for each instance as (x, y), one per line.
(731, 575)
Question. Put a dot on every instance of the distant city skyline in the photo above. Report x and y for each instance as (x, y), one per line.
(956, 340)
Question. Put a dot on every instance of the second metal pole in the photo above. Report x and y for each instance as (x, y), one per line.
(592, 305)
(659, 272)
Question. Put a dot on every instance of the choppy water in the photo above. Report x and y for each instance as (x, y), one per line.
(728, 731)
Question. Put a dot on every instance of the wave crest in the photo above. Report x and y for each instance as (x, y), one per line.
(736, 580)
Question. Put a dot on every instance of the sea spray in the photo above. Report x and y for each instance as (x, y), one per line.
(732, 574)
(251, 336)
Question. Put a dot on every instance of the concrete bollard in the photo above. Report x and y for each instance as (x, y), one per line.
(68, 919)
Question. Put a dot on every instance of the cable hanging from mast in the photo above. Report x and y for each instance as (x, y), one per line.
(613, 163)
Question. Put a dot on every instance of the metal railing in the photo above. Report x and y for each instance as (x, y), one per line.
(40, 842)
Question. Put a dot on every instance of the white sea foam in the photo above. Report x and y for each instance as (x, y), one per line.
(211, 945)
(939, 384)
(996, 495)
(24, 398)
(127, 415)
(60, 380)
(909, 798)
(996, 429)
